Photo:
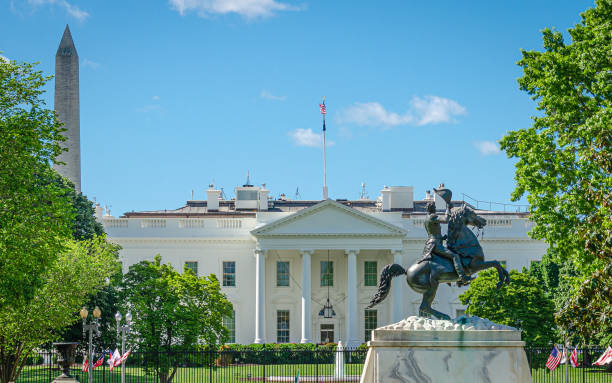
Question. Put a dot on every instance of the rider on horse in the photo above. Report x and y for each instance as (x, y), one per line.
(434, 244)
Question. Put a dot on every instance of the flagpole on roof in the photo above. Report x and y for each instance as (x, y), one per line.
(323, 112)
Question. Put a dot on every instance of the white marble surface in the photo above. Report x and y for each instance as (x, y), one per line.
(469, 349)
(463, 323)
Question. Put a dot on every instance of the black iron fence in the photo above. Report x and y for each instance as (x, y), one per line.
(319, 365)
(586, 372)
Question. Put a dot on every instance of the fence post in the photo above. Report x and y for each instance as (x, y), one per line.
(210, 367)
(264, 364)
(49, 364)
(317, 364)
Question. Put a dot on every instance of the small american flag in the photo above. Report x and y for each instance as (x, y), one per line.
(574, 358)
(323, 110)
(85, 365)
(553, 359)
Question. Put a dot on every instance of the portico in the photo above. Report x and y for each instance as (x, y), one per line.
(325, 249)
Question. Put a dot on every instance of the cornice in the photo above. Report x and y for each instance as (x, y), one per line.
(183, 240)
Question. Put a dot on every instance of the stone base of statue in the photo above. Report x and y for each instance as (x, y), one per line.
(467, 349)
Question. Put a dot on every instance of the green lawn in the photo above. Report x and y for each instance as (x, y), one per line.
(244, 373)
(575, 375)
(238, 373)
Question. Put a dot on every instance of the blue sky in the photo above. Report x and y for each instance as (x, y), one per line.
(178, 94)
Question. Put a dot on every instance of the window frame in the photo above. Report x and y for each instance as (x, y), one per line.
(185, 267)
(280, 318)
(230, 330)
(288, 273)
(367, 320)
(224, 274)
(365, 273)
(327, 277)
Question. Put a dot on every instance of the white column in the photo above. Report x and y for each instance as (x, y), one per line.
(306, 322)
(352, 315)
(398, 286)
(260, 295)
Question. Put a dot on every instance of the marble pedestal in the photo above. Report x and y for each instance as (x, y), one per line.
(469, 349)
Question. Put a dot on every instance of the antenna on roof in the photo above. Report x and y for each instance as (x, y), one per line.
(192, 194)
(297, 193)
(364, 194)
(223, 195)
(248, 180)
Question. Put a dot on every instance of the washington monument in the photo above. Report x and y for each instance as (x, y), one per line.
(67, 108)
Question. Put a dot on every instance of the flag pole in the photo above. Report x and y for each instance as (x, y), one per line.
(324, 155)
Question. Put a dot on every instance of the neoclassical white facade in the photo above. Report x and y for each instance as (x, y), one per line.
(277, 260)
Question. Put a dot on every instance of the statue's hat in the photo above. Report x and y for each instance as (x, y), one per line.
(444, 193)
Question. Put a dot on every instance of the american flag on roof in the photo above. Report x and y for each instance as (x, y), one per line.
(323, 110)
(553, 359)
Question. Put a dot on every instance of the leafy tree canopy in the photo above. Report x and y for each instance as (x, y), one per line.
(82, 268)
(172, 311)
(521, 304)
(35, 212)
(565, 160)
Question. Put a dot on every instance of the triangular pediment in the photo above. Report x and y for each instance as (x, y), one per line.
(329, 218)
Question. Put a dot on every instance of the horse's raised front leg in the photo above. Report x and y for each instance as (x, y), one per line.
(478, 265)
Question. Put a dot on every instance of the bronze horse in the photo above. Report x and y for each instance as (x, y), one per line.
(425, 276)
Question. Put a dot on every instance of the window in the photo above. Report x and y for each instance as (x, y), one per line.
(371, 322)
(230, 324)
(503, 263)
(459, 312)
(282, 273)
(193, 266)
(327, 273)
(369, 273)
(282, 326)
(327, 333)
(229, 273)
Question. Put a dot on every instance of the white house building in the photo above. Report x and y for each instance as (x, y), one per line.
(278, 261)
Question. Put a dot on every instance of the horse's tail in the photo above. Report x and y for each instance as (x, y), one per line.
(388, 272)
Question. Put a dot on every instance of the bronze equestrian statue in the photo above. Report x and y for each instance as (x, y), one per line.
(456, 262)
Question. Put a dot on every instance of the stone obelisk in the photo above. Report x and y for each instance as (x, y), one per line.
(67, 108)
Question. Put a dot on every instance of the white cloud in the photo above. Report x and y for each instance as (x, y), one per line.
(246, 8)
(422, 111)
(269, 96)
(89, 63)
(373, 114)
(306, 137)
(487, 147)
(72, 10)
(155, 98)
(434, 110)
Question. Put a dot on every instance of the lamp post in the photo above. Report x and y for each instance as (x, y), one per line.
(93, 325)
(124, 329)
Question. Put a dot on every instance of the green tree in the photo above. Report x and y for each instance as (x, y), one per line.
(84, 227)
(35, 213)
(172, 312)
(82, 268)
(564, 162)
(521, 304)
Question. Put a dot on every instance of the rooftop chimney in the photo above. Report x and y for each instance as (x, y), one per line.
(212, 198)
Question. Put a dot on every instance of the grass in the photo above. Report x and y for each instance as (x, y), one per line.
(245, 373)
(238, 373)
(591, 375)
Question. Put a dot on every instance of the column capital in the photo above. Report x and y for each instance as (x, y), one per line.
(351, 251)
(259, 251)
(306, 251)
(396, 251)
